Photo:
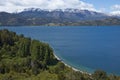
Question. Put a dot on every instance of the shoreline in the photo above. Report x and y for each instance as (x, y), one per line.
(69, 65)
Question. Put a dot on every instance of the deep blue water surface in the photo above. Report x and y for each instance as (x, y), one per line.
(85, 48)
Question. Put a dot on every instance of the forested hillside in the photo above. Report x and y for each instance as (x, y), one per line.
(26, 59)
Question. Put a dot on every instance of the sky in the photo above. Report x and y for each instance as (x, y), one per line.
(106, 6)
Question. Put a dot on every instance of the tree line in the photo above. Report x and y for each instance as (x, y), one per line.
(22, 58)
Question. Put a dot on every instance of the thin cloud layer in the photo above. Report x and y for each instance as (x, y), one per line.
(115, 9)
(13, 5)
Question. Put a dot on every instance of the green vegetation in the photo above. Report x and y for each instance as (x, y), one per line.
(102, 22)
(25, 59)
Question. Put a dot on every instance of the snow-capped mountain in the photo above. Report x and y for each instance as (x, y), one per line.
(63, 14)
(69, 10)
(37, 16)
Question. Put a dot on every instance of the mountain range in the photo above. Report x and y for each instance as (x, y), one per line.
(57, 17)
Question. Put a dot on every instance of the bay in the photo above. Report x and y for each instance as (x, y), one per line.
(86, 48)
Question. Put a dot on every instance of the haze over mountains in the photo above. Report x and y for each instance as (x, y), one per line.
(69, 16)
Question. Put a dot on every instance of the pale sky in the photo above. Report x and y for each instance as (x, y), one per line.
(107, 6)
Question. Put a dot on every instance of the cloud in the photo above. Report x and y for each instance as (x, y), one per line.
(115, 13)
(115, 10)
(2, 2)
(12, 5)
(116, 7)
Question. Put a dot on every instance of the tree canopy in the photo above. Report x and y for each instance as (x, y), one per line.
(26, 59)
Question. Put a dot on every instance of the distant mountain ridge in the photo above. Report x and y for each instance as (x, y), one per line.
(37, 16)
(66, 14)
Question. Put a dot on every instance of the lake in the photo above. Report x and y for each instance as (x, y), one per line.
(86, 48)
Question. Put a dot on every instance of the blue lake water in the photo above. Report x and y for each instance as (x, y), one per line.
(85, 48)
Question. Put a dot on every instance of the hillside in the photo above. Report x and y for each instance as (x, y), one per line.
(102, 22)
(71, 17)
(25, 59)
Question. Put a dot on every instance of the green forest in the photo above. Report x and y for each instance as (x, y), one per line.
(22, 58)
